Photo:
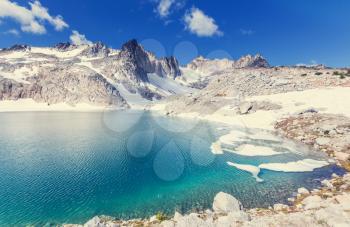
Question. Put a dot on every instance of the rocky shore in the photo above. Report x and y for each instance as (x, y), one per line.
(327, 206)
(328, 133)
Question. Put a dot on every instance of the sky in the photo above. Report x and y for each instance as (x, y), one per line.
(285, 32)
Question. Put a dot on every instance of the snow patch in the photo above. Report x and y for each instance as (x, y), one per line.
(305, 165)
(59, 54)
(254, 170)
(253, 150)
(167, 85)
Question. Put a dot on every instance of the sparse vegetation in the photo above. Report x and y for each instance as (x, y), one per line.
(161, 216)
(304, 74)
(342, 75)
(318, 73)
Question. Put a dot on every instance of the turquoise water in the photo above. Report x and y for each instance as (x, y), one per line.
(68, 167)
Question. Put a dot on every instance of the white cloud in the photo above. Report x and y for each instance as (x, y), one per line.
(14, 32)
(79, 39)
(42, 13)
(31, 20)
(200, 24)
(247, 32)
(164, 6)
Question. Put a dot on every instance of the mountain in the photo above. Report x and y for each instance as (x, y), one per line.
(198, 73)
(99, 75)
(207, 65)
(94, 74)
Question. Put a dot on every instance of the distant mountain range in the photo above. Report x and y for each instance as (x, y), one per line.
(99, 75)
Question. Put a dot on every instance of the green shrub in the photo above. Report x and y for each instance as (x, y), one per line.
(161, 216)
(318, 73)
(304, 74)
(342, 76)
(336, 73)
(348, 72)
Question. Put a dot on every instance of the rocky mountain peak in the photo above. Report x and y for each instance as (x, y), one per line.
(168, 66)
(134, 50)
(141, 62)
(64, 46)
(250, 61)
(131, 45)
(17, 47)
(97, 49)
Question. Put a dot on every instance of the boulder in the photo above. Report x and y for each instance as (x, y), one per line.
(322, 141)
(327, 183)
(94, 222)
(226, 203)
(303, 191)
(153, 218)
(312, 202)
(280, 207)
(177, 216)
(245, 107)
(310, 110)
(344, 201)
(342, 156)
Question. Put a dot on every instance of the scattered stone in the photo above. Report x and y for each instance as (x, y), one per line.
(327, 183)
(280, 207)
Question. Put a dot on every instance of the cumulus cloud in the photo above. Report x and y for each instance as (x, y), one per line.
(79, 39)
(42, 13)
(31, 20)
(197, 22)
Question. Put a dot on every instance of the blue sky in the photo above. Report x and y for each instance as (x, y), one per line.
(285, 32)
